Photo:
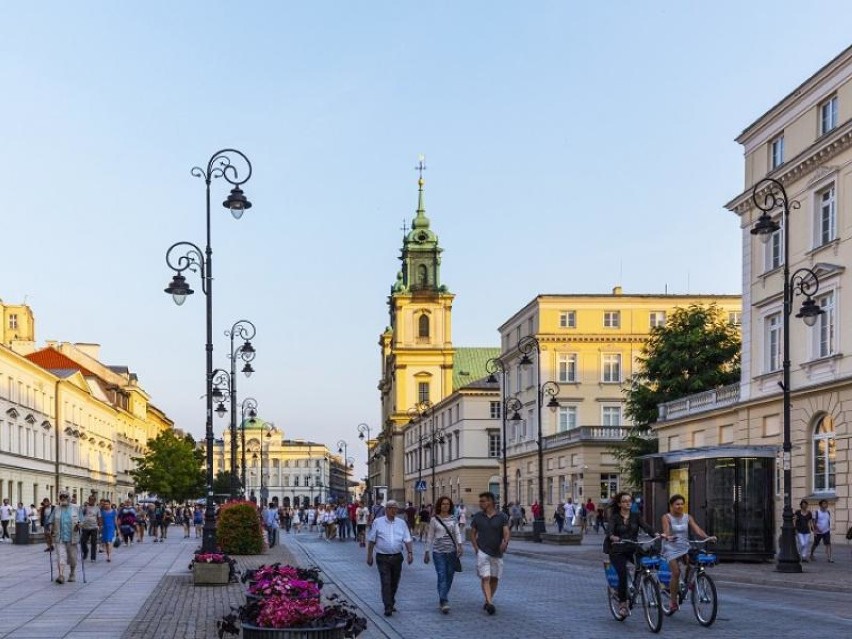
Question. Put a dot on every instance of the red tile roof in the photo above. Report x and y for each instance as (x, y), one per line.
(51, 359)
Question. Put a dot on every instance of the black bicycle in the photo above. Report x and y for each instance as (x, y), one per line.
(696, 583)
(642, 584)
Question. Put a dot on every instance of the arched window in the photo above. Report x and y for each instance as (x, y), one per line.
(422, 275)
(825, 450)
(423, 326)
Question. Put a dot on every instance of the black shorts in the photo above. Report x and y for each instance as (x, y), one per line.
(824, 537)
(361, 527)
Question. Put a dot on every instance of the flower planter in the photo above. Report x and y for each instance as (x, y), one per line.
(204, 574)
(255, 632)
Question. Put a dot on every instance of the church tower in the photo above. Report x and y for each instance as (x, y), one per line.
(416, 348)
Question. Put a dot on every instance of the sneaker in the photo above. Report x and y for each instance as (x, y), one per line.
(490, 609)
(445, 608)
(831, 561)
(388, 612)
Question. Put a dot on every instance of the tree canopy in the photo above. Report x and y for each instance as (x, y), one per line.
(696, 350)
(171, 469)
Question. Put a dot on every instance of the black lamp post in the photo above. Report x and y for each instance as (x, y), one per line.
(526, 346)
(421, 411)
(492, 367)
(194, 259)
(247, 409)
(343, 448)
(364, 435)
(511, 405)
(803, 282)
(245, 330)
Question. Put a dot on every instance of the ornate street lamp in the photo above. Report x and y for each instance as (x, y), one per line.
(803, 282)
(343, 448)
(248, 410)
(188, 256)
(419, 412)
(492, 367)
(525, 347)
(244, 330)
(364, 435)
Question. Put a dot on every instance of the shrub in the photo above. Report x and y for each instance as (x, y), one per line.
(238, 530)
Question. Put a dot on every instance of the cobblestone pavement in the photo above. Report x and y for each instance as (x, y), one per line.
(549, 597)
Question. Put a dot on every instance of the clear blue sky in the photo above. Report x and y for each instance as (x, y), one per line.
(571, 146)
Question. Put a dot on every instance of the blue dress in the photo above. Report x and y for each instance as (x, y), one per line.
(108, 530)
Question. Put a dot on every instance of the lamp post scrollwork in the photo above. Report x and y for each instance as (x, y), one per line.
(244, 330)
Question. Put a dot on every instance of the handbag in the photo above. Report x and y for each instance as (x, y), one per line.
(457, 564)
(116, 542)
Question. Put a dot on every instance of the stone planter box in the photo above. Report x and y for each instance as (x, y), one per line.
(522, 534)
(570, 539)
(210, 574)
(254, 632)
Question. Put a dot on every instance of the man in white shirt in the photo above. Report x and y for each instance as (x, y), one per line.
(388, 535)
(570, 512)
(5, 518)
(822, 529)
(362, 516)
(270, 522)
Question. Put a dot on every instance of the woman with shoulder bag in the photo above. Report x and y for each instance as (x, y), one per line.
(444, 542)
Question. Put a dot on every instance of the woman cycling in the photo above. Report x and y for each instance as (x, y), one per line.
(623, 525)
(676, 527)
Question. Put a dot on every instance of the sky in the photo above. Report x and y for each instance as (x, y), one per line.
(571, 147)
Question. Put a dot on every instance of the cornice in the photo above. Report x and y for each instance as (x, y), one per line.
(823, 150)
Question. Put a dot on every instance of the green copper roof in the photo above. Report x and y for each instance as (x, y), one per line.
(469, 364)
(256, 424)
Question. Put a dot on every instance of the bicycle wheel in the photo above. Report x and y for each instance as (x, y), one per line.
(651, 604)
(666, 600)
(614, 605)
(704, 600)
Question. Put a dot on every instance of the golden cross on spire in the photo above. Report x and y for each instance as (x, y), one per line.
(421, 165)
(404, 228)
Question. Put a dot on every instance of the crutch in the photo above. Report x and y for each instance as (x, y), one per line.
(82, 562)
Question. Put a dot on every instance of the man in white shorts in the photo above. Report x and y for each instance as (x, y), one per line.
(490, 537)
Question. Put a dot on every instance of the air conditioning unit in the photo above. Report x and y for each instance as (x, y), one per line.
(653, 469)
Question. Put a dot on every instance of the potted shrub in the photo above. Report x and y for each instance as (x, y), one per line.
(212, 569)
(284, 617)
(238, 530)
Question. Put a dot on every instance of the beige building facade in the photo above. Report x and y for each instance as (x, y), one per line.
(805, 142)
(589, 345)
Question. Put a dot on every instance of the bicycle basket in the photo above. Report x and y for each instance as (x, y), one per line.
(650, 562)
(707, 559)
(611, 575)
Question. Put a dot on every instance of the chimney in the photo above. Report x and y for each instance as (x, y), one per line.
(92, 350)
(616, 290)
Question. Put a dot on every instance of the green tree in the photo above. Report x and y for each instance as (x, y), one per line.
(697, 350)
(171, 469)
(222, 483)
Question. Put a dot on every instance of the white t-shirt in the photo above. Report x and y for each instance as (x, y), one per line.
(5, 512)
(362, 516)
(570, 511)
(822, 521)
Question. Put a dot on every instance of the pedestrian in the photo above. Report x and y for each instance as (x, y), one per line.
(515, 516)
(570, 515)
(388, 536)
(5, 518)
(186, 517)
(270, 523)
(537, 511)
(378, 510)
(424, 522)
(411, 517)
(109, 519)
(600, 519)
(91, 522)
(141, 524)
(32, 515)
(341, 515)
(822, 530)
(20, 516)
(46, 516)
(559, 517)
(803, 520)
(127, 522)
(590, 513)
(66, 536)
(362, 516)
(461, 516)
(489, 535)
(444, 544)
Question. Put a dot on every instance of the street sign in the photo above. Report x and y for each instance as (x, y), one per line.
(420, 485)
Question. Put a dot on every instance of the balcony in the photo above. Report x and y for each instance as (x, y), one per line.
(699, 403)
(586, 434)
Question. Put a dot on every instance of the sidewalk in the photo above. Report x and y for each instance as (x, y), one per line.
(819, 575)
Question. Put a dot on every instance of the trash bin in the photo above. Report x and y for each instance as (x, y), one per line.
(22, 532)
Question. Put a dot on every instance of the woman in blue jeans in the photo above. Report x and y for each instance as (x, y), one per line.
(444, 543)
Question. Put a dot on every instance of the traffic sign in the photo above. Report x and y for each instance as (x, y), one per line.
(420, 485)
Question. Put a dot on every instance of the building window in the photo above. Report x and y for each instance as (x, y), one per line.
(772, 341)
(776, 152)
(568, 319)
(494, 445)
(495, 410)
(550, 490)
(567, 367)
(423, 326)
(735, 318)
(773, 255)
(612, 367)
(657, 318)
(824, 329)
(826, 220)
(612, 319)
(423, 392)
(519, 373)
(726, 434)
(609, 487)
(828, 115)
(567, 418)
(295, 480)
(13, 321)
(825, 452)
(611, 415)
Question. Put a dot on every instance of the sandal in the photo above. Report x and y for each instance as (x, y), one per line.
(623, 610)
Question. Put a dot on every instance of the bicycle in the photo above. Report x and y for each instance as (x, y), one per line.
(641, 583)
(696, 582)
